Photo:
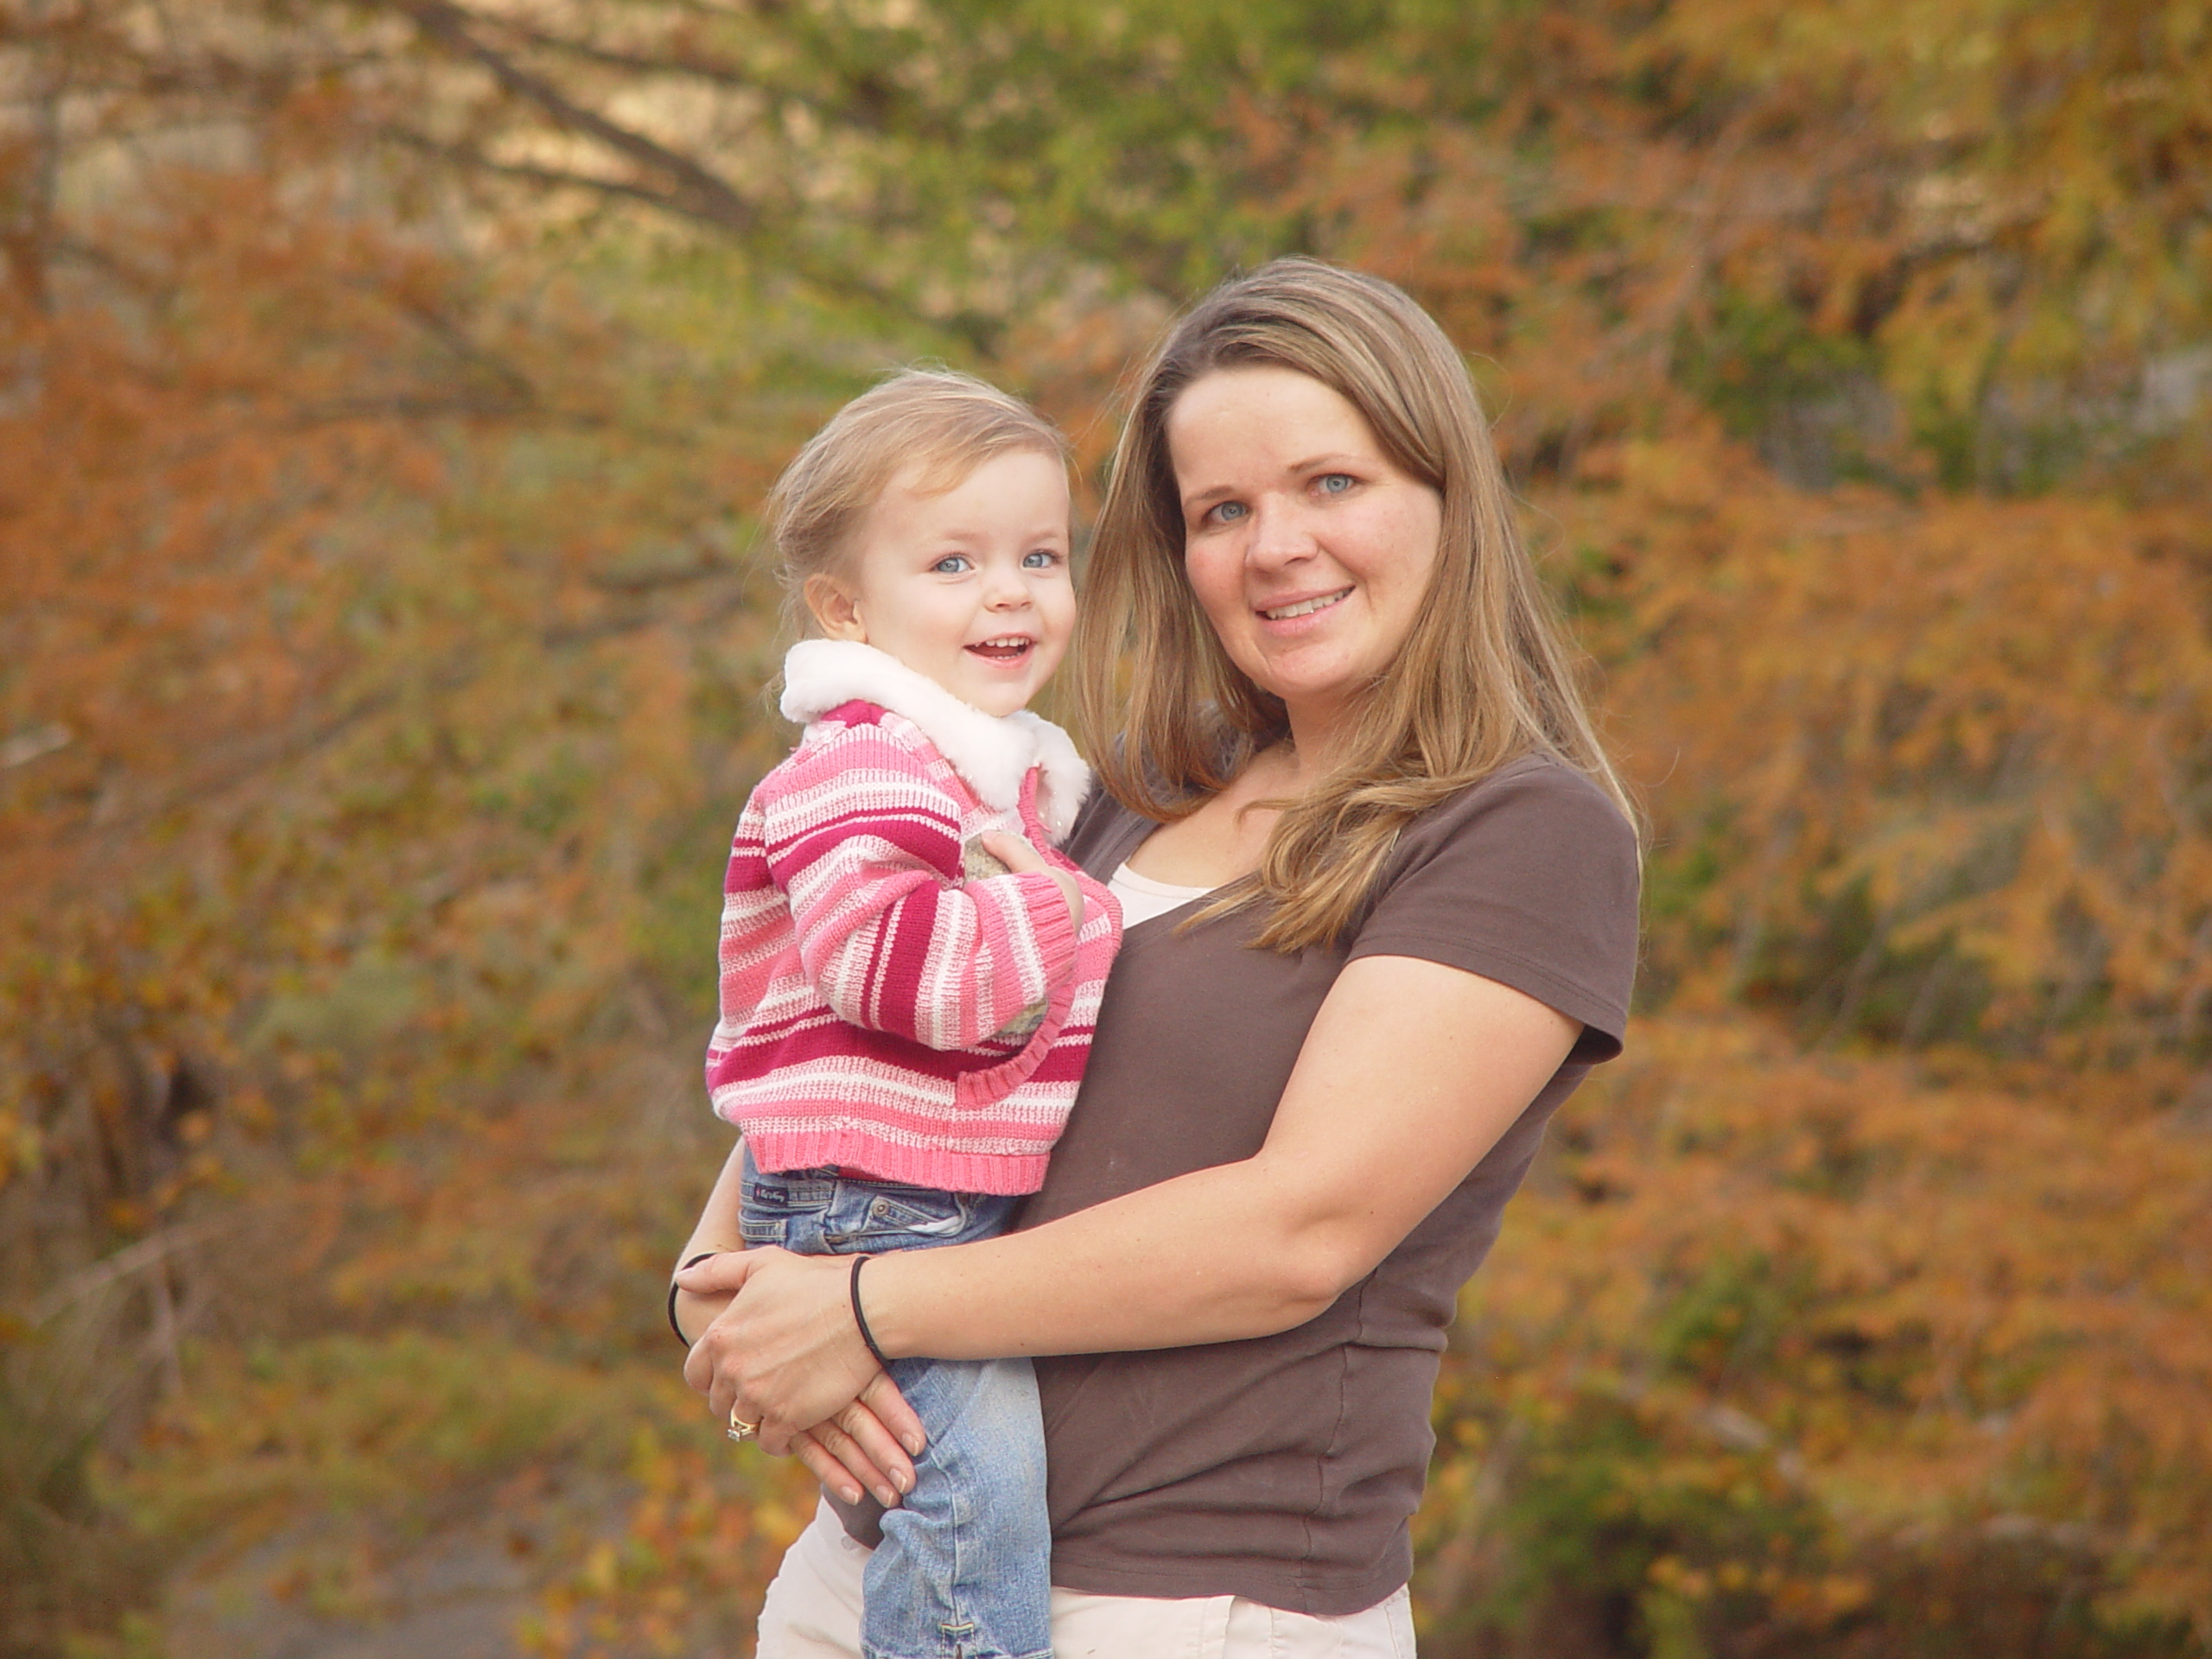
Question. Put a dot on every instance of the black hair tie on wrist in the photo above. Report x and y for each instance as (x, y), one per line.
(853, 1289)
(673, 1287)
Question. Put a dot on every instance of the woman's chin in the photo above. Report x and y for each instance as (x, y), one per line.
(1313, 684)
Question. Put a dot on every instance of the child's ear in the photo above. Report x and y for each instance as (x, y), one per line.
(835, 610)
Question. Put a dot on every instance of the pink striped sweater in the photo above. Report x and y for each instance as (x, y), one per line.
(893, 1001)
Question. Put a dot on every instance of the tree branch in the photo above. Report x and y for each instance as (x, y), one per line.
(476, 160)
(980, 332)
(867, 106)
(710, 196)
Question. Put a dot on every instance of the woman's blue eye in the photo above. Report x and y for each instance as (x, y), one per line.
(1335, 483)
(1228, 512)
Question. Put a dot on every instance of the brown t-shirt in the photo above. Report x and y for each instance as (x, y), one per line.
(1285, 1468)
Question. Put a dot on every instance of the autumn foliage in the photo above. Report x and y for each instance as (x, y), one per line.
(385, 392)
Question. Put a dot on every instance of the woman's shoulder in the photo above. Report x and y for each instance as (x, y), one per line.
(1539, 796)
(1539, 828)
(1528, 875)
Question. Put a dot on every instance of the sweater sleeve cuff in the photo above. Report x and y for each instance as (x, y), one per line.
(1046, 909)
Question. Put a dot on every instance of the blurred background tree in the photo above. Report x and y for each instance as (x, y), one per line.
(385, 391)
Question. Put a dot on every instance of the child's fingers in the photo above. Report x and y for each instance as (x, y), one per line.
(1013, 852)
(1018, 856)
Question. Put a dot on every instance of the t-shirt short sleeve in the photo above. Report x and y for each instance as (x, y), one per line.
(1529, 878)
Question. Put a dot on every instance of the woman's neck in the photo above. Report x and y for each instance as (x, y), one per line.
(1316, 744)
(1223, 839)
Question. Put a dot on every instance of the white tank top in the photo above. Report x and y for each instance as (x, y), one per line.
(1142, 898)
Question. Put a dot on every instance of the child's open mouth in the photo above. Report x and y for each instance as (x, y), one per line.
(1007, 648)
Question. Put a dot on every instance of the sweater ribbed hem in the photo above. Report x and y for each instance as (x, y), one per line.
(1006, 1175)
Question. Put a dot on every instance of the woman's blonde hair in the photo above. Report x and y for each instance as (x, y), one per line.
(937, 422)
(1482, 678)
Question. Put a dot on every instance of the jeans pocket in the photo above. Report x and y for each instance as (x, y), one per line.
(908, 1217)
(913, 1210)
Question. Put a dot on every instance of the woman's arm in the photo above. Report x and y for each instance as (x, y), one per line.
(1411, 1071)
(717, 1230)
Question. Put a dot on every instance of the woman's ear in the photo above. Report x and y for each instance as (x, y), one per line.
(834, 608)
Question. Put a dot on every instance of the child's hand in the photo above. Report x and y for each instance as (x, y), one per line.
(1018, 856)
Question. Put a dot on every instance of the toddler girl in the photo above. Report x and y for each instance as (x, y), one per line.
(904, 1020)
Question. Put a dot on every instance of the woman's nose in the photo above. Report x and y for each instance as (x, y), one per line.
(1279, 535)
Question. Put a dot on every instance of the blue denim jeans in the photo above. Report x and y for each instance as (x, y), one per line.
(964, 1570)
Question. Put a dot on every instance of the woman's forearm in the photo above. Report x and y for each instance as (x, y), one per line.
(1147, 1270)
(1440, 1064)
(1411, 1071)
(716, 1230)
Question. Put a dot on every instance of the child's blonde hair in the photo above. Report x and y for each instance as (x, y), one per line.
(937, 423)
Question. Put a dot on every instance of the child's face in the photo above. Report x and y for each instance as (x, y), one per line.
(970, 587)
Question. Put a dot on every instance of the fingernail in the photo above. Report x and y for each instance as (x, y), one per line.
(903, 1479)
(888, 1498)
(850, 1494)
(913, 1443)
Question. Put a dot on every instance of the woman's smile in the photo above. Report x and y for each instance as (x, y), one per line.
(1290, 610)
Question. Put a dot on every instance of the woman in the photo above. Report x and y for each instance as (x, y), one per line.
(1381, 883)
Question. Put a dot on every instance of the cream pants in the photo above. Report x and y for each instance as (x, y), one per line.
(813, 1611)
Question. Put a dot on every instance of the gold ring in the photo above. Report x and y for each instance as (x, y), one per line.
(738, 1428)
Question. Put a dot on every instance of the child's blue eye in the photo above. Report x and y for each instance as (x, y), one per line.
(951, 565)
(1042, 559)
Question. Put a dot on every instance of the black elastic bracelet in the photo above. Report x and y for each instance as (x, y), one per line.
(673, 1287)
(858, 1317)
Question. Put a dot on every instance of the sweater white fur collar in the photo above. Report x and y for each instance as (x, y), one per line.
(990, 753)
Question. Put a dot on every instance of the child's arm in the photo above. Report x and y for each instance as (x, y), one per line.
(866, 847)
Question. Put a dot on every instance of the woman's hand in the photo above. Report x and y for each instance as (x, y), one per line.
(787, 1347)
(1018, 856)
(855, 1451)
